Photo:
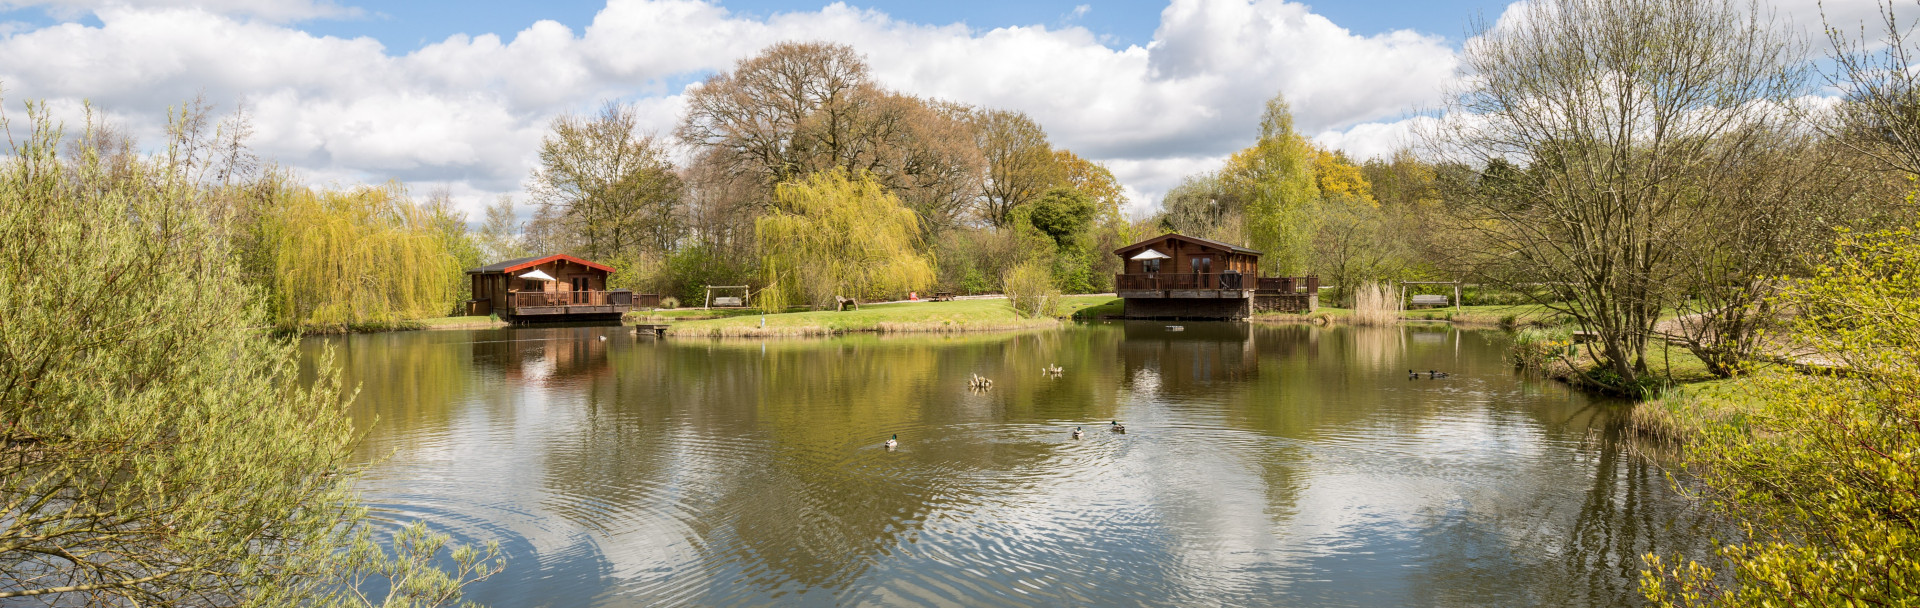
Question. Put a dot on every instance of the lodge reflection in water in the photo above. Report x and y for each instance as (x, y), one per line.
(1264, 465)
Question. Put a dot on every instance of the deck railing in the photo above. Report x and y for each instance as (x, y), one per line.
(1219, 280)
(1180, 280)
(532, 299)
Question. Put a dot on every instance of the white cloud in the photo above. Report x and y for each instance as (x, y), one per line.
(468, 111)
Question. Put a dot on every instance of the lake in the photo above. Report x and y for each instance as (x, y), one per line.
(1263, 465)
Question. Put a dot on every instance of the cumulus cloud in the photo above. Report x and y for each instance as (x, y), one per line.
(468, 111)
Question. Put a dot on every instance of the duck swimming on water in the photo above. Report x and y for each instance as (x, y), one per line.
(1433, 374)
(893, 442)
(1077, 432)
(1118, 428)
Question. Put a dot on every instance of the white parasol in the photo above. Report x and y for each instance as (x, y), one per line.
(537, 275)
(1151, 255)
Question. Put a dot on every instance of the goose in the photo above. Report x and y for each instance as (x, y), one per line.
(893, 442)
(1077, 432)
(1118, 428)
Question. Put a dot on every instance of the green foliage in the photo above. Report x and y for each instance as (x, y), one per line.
(1031, 292)
(832, 236)
(1276, 177)
(1821, 475)
(156, 448)
(1063, 214)
(690, 269)
(363, 256)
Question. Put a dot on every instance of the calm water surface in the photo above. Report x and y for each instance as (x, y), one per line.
(1289, 465)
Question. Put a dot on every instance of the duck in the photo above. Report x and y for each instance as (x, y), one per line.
(1052, 370)
(893, 442)
(1433, 374)
(1412, 375)
(1077, 432)
(1118, 428)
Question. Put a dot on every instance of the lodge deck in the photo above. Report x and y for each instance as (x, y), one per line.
(549, 306)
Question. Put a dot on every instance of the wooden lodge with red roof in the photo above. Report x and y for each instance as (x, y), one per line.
(1174, 276)
(547, 288)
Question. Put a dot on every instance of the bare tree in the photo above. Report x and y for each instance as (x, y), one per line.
(792, 110)
(613, 183)
(1630, 117)
(1020, 163)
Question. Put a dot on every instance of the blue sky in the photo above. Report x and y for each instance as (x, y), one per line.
(457, 95)
(408, 25)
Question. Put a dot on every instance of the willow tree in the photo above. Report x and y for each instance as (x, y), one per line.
(1277, 182)
(829, 236)
(353, 257)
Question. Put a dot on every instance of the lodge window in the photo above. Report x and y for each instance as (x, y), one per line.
(1152, 266)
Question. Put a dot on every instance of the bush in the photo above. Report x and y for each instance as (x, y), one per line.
(1031, 292)
(669, 302)
(1822, 474)
(131, 393)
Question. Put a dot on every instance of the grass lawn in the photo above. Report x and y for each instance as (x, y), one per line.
(958, 315)
(460, 322)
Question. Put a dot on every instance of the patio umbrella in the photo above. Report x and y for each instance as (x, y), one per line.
(537, 275)
(1151, 255)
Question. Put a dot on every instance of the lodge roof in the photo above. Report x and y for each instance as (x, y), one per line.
(511, 266)
(1194, 239)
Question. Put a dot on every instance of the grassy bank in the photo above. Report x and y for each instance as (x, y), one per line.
(955, 316)
(1507, 316)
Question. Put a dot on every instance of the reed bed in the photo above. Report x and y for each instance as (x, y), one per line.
(1375, 305)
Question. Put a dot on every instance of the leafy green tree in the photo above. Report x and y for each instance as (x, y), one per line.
(830, 236)
(1064, 215)
(156, 447)
(1277, 182)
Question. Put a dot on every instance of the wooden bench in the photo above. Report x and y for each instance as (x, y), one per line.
(841, 303)
(1424, 300)
(943, 296)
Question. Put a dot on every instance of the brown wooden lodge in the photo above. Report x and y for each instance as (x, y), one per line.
(1174, 276)
(547, 288)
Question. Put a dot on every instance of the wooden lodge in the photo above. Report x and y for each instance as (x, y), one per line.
(1174, 276)
(547, 288)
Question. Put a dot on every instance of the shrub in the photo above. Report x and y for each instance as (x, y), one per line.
(1031, 292)
(1822, 474)
(669, 302)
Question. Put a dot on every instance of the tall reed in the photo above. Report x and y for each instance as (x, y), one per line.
(1375, 304)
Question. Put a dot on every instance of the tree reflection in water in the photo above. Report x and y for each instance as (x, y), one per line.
(1264, 465)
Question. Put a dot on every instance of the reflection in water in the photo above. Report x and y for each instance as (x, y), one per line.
(1264, 465)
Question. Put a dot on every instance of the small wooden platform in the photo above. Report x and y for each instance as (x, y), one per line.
(658, 329)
